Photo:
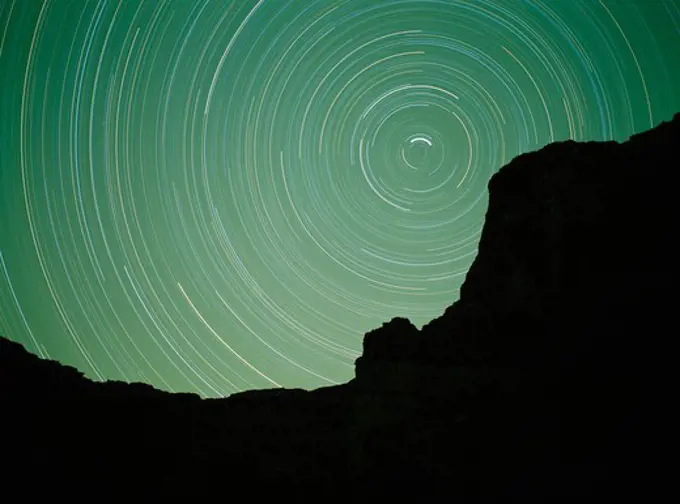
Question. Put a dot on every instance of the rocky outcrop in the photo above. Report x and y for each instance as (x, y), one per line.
(545, 380)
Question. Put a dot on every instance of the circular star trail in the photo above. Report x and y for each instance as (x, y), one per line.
(213, 196)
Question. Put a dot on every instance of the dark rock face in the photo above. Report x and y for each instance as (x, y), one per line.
(547, 378)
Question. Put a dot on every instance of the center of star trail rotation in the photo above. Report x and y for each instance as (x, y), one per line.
(214, 196)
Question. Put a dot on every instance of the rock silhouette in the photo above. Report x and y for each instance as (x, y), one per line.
(546, 380)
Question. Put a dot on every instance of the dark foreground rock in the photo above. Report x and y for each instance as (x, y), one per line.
(548, 379)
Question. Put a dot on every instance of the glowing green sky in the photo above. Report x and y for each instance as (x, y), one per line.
(217, 196)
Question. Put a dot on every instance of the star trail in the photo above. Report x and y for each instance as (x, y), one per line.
(214, 196)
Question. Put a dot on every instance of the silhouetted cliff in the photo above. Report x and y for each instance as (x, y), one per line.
(546, 379)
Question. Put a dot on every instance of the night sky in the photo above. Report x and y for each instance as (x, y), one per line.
(225, 195)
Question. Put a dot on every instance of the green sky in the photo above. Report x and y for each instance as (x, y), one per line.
(216, 196)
